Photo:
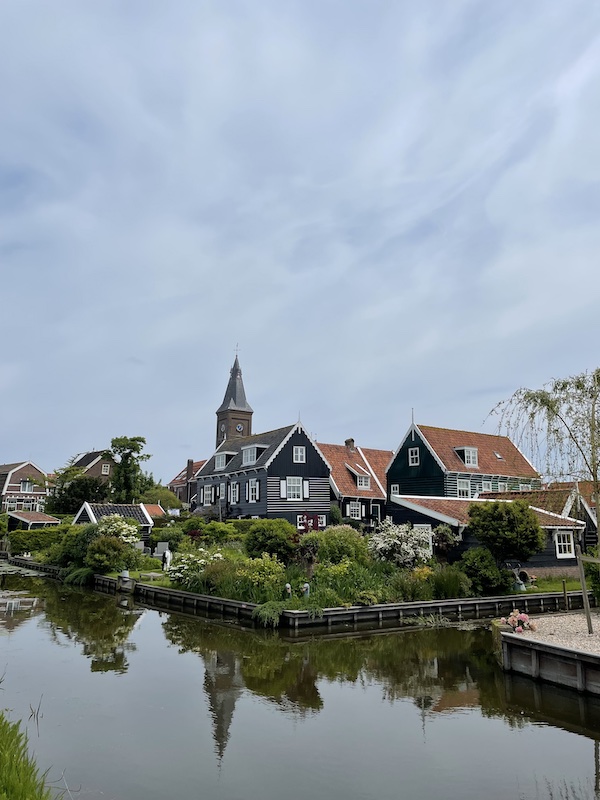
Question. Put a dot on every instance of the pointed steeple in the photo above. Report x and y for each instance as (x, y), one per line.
(235, 395)
(234, 415)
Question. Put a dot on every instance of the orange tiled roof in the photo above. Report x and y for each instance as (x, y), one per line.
(554, 500)
(585, 488)
(180, 479)
(155, 509)
(458, 509)
(445, 441)
(347, 462)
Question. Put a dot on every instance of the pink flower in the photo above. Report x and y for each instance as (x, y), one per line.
(518, 629)
(503, 620)
(523, 618)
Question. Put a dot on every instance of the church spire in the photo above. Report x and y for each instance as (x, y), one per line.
(234, 415)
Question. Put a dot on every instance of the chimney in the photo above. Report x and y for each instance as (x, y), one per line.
(350, 444)
(189, 470)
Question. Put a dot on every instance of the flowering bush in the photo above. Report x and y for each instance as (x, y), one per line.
(519, 622)
(186, 567)
(401, 544)
(120, 528)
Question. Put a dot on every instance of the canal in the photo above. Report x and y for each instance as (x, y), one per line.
(126, 703)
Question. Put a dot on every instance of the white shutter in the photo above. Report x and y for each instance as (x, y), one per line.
(364, 511)
(229, 493)
(257, 490)
(306, 489)
(201, 496)
(347, 509)
(247, 490)
(283, 489)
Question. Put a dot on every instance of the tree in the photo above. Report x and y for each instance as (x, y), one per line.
(71, 488)
(558, 425)
(128, 479)
(160, 494)
(508, 529)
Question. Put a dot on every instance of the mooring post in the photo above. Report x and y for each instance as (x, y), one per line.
(586, 599)
(565, 595)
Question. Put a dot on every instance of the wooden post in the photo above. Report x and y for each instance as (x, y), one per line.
(565, 595)
(586, 599)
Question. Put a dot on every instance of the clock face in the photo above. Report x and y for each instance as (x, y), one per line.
(222, 426)
(239, 427)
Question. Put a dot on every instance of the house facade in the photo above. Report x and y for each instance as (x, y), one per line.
(95, 464)
(451, 463)
(184, 484)
(23, 487)
(357, 480)
(427, 512)
(276, 474)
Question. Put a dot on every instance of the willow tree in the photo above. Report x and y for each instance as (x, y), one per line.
(558, 426)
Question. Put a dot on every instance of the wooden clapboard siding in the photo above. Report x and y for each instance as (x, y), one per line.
(425, 479)
(317, 503)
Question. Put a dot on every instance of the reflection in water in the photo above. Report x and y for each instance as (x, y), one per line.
(99, 623)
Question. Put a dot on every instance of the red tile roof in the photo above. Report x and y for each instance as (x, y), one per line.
(554, 500)
(34, 516)
(444, 443)
(585, 488)
(180, 479)
(349, 461)
(457, 509)
(155, 509)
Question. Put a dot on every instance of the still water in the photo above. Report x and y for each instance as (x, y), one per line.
(136, 704)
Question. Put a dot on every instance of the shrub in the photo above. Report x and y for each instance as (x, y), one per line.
(486, 578)
(273, 536)
(348, 580)
(508, 529)
(106, 554)
(124, 529)
(80, 576)
(75, 543)
(173, 534)
(403, 545)
(407, 586)
(341, 541)
(260, 580)
(217, 532)
(242, 525)
(335, 514)
(35, 540)
(448, 581)
(149, 564)
(592, 573)
(193, 524)
(186, 568)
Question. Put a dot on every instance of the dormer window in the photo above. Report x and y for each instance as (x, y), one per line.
(468, 455)
(220, 461)
(27, 485)
(249, 455)
(363, 481)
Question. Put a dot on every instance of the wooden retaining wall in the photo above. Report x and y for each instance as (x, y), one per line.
(574, 669)
(389, 615)
(26, 563)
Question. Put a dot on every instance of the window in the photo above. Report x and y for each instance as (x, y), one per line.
(565, 547)
(253, 490)
(221, 491)
(413, 456)
(322, 520)
(299, 454)
(524, 487)
(395, 488)
(464, 488)
(208, 495)
(363, 481)
(375, 514)
(471, 456)
(486, 486)
(106, 469)
(249, 455)
(26, 485)
(354, 509)
(221, 460)
(294, 489)
(235, 492)
(502, 486)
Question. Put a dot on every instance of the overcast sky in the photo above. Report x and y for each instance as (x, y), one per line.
(386, 205)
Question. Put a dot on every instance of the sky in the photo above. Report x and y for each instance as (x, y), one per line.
(386, 208)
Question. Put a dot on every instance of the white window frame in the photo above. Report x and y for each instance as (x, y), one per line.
(322, 520)
(564, 542)
(222, 491)
(463, 485)
(235, 492)
(249, 455)
(355, 509)
(253, 490)
(486, 486)
(502, 486)
(414, 457)
(299, 456)
(220, 461)
(395, 488)
(106, 469)
(524, 487)
(26, 486)
(363, 481)
(294, 489)
(471, 457)
(207, 499)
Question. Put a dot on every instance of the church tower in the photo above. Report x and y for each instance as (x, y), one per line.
(234, 415)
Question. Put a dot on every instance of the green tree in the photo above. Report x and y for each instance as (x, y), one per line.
(160, 494)
(558, 425)
(277, 537)
(71, 496)
(128, 481)
(508, 529)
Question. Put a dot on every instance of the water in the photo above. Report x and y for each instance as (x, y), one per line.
(138, 704)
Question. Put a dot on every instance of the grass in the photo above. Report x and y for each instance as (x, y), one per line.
(554, 584)
(19, 776)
